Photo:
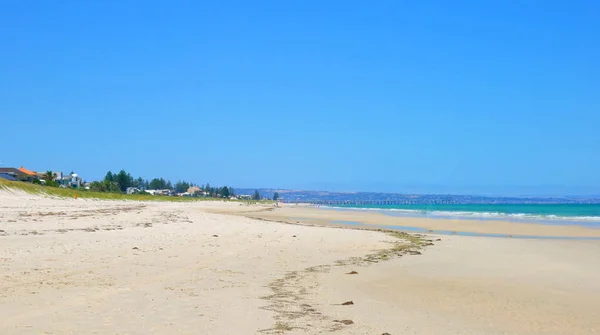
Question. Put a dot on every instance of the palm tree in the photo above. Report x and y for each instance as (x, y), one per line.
(49, 176)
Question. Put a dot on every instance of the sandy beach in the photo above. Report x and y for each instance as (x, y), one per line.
(125, 267)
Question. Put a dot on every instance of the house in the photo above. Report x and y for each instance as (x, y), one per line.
(20, 174)
(70, 180)
(245, 196)
(132, 190)
(160, 192)
(194, 190)
(8, 177)
(28, 172)
(167, 192)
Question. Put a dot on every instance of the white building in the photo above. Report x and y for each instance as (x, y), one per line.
(70, 180)
(132, 190)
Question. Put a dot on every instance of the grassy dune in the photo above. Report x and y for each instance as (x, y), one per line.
(71, 193)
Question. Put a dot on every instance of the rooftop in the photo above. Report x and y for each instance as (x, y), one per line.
(25, 171)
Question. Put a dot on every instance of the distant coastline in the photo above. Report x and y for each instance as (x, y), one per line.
(379, 198)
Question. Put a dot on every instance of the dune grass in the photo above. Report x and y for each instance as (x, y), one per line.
(80, 193)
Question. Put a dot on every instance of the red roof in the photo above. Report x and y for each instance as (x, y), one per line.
(25, 171)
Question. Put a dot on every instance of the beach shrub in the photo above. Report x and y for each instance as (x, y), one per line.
(105, 186)
(51, 183)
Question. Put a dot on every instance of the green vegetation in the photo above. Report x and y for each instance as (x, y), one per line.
(219, 192)
(256, 195)
(182, 186)
(159, 184)
(105, 186)
(123, 180)
(73, 193)
(114, 185)
(48, 178)
(51, 183)
(275, 196)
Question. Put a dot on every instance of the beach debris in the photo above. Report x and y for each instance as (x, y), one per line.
(294, 236)
(414, 252)
(438, 239)
(346, 322)
(215, 235)
(135, 248)
(352, 273)
(386, 334)
(350, 302)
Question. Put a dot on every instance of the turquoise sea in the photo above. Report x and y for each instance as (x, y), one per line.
(582, 214)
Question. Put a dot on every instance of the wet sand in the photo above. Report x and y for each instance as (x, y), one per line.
(334, 217)
(112, 267)
(467, 284)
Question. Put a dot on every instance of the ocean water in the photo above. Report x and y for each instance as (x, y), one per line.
(581, 214)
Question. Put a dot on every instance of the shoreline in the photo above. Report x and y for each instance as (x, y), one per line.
(376, 220)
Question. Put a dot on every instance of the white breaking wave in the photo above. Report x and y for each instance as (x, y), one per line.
(473, 215)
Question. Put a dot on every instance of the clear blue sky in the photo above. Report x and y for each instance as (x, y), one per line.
(414, 96)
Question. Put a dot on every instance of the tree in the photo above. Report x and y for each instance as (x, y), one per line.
(105, 186)
(158, 184)
(48, 176)
(98, 186)
(181, 186)
(275, 196)
(231, 192)
(256, 195)
(124, 180)
(139, 183)
(224, 192)
(109, 176)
